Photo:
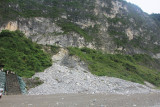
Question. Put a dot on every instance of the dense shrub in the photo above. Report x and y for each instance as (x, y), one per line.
(21, 55)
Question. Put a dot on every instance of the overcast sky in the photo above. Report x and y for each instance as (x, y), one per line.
(149, 6)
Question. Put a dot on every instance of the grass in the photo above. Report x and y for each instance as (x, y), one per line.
(21, 55)
(136, 68)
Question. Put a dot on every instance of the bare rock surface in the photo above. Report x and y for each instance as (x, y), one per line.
(70, 75)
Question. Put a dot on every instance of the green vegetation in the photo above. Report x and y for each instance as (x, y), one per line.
(119, 38)
(82, 9)
(12, 9)
(21, 55)
(136, 42)
(69, 27)
(137, 68)
(32, 82)
(74, 9)
(51, 49)
(116, 20)
(155, 17)
(135, 13)
(155, 49)
(55, 49)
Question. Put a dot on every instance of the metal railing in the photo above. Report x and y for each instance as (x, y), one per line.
(3, 81)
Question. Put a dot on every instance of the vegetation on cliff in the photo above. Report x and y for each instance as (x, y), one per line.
(66, 14)
(75, 9)
(156, 17)
(21, 55)
(136, 68)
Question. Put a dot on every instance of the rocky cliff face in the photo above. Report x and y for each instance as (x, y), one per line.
(44, 31)
(110, 25)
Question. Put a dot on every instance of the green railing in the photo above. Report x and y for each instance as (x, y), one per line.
(22, 85)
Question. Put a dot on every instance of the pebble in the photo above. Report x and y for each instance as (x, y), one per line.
(94, 100)
(102, 106)
(57, 103)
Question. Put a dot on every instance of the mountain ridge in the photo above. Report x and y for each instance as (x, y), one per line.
(111, 26)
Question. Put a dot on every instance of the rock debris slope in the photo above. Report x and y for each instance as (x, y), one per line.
(69, 75)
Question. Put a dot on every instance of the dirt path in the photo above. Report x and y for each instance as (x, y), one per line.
(82, 100)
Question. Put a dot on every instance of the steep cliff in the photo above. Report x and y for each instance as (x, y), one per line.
(109, 25)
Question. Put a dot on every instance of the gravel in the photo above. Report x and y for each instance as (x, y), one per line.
(59, 78)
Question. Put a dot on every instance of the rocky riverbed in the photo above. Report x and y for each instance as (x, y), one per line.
(70, 75)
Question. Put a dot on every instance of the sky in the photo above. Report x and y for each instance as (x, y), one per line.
(148, 6)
